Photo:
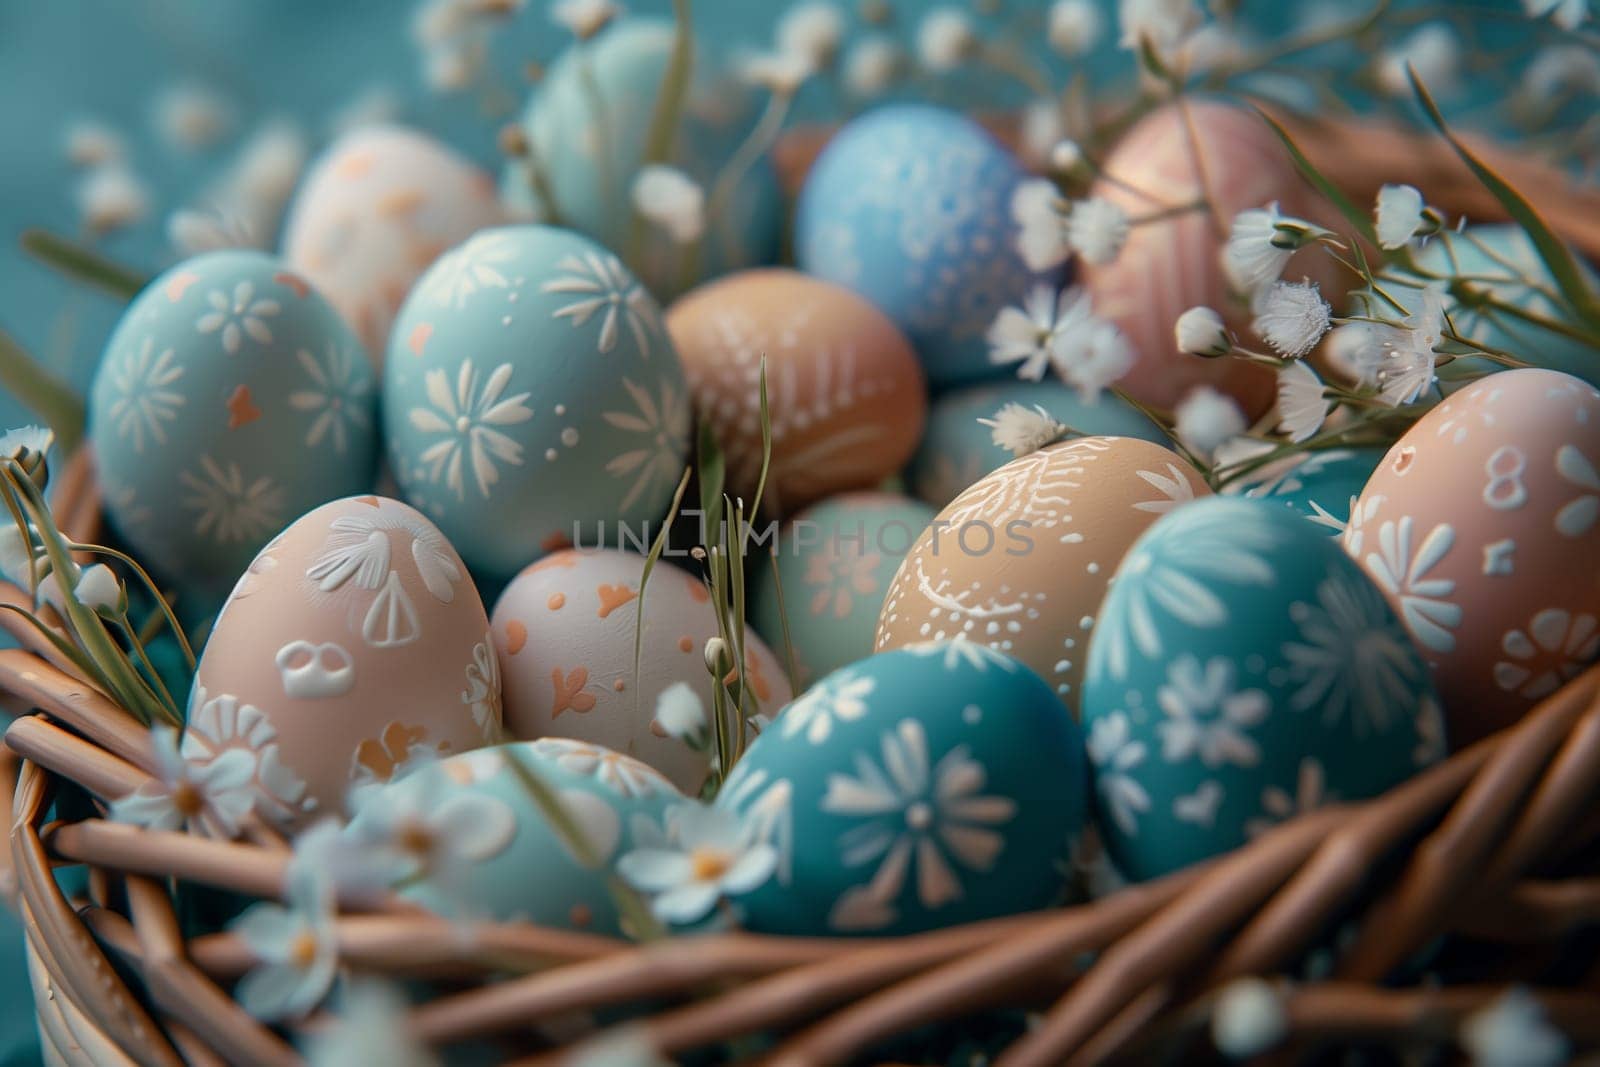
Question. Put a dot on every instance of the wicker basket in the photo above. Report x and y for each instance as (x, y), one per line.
(1499, 847)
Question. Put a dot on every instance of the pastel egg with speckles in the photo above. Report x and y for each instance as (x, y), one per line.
(1482, 527)
(532, 395)
(1321, 485)
(353, 640)
(957, 449)
(910, 206)
(565, 629)
(844, 391)
(1019, 561)
(834, 564)
(914, 789)
(231, 398)
(374, 212)
(1243, 671)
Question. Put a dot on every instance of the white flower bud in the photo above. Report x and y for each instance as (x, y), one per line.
(1200, 331)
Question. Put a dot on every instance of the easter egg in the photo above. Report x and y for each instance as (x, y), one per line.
(230, 399)
(379, 206)
(588, 127)
(844, 391)
(354, 638)
(1168, 266)
(1321, 485)
(566, 628)
(1019, 561)
(957, 449)
(531, 395)
(834, 563)
(910, 206)
(518, 866)
(1482, 527)
(914, 789)
(1242, 671)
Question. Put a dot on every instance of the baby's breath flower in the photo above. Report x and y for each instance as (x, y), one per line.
(1207, 419)
(1568, 14)
(1019, 429)
(1301, 404)
(112, 198)
(1200, 331)
(1024, 335)
(1292, 318)
(1075, 27)
(681, 713)
(872, 65)
(97, 589)
(191, 116)
(1403, 367)
(1354, 350)
(1259, 246)
(670, 199)
(812, 30)
(780, 73)
(946, 39)
(1066, 157)
(1097, 230)
(93, 144)
(1092, 356)
(1042, 130)
(585, 18)
(716, 655)
(1163, 25)
(1432, 50)
(1248, 1019)
(1513, 1032)
(1399, 215)
(1036, 207)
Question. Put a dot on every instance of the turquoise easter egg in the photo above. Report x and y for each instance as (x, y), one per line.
(957, 449)
(520, 867)
(588, 126)
(914, 789)
(532, 398)
(231, 399)
(834, 563)
(1321, 485)
(1243, 670)
(910, 206)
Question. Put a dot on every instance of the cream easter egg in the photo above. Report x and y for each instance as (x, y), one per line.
(1020, 560)
(1482, 527)
(374, 212)
(844, 390)
(565, 630)
(355, 637)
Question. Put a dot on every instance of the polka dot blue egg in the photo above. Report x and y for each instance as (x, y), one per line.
(1243, 671)
(1321, 486)
(531, 393)
(915, 789)
(910, 206)
(230, 400)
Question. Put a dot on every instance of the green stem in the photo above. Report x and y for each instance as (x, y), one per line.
(83, 264)
(761, 139)
(46, 395)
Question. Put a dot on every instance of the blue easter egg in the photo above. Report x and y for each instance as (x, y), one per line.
(835, 561)
(1321, 485)
(1244, 670)
(521, 868)
(532, 395)
(957, 449)
(588, 155)
(231, 399)
(910, 206)
(914, 789)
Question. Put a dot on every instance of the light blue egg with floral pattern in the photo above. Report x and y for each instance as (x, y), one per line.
(592, 188)
(1321, 485)
(509, 862)
(532, 394)
(910, 206)
(928, 786)
(1244, 670)
(957, 449)
(835, 561)
(231, 400)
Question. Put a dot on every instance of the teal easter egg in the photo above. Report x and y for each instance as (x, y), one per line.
(588, 127)
(532, 397)
(957, 449)
(910, 206)
(834, 563)
(519, 866)
(915, 789)
(231, 399)
(1243, 670)
(1321, 485)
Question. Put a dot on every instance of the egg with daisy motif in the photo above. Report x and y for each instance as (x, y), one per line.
(1482, 527)
(1242, 671)
(531, 396)
(914, 789)
(910, 206)
(1019, 561)
(495, 852)
(230, 399)
(1321, 485)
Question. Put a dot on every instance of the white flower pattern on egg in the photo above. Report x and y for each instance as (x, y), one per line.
(841, 696)
(601, 285)
(1117, 757)
(223, 724)
(1424, 601)
(663, 424)
(335, 396)
(466, 417)
(146, 396)
(230, 509)
(1278, 805)
(1352, 658)
(475, 266)
(1206, 716)
(1552, 650)
(623, 775)
(237, 315)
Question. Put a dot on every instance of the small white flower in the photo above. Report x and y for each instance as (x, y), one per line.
(946, 39)
(97, 589)
(352, 867)
(1097, 229)
(1354, 349)
(194, 232)
(1513, 1032)
(1024, 335)
(1432, 50)
(1399, 215)
(1292, 318)
(668, 198)
(1301, 404)
(36, 439)
(1092, 358)
(1020, 430)
(584, 18)
(710, 853)
(1200, 331)
(263, 174)
(1042, 130)
(1066, 156)
(1163, 25)
(1036, 206)
(91, 144)
(1207, 418)
(112, 198)
(297, 947)
(369, 1026)
(780, 73)
(872, 65)
(215, 795)
(1568, 14)
(191, 116)
(681, 713)
(1403, 367)
(1259, 246)
(1074, 27)
(812, 30)
(1248, 1019)
(1559, 73)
